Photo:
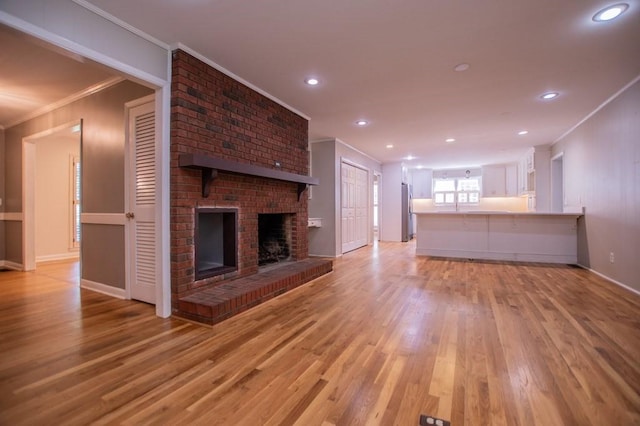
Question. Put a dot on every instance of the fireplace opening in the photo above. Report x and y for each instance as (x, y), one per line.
(216, 242)
(274, 238)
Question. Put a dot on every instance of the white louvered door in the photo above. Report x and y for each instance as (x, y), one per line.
(142, 202)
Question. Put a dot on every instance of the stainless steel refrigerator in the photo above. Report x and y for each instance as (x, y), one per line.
(407, 213)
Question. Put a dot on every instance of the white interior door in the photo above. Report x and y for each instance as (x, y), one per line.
(354, 207)
(141, 253)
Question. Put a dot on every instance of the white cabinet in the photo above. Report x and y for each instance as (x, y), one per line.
(493, 181)
(511, 180)
(500, 180)
(422, 181)
(529, 159)
(527, 173)
(534, 178)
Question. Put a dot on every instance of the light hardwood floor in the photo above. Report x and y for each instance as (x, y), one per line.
(384, 338)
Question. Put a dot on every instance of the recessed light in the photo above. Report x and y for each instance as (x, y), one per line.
(312, 81)
(523, 132)
(611, 12)
(362, 122)
(461, 67)
(450, 140)
(410, 157)
(389, 146)
(549, 95)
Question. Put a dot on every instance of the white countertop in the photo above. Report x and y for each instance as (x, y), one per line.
(496, 213)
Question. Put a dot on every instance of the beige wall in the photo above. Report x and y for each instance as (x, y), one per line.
(53, 202)
(602, 173)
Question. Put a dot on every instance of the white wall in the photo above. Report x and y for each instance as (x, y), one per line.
(391, 202)
(53, 208)
(602, 173)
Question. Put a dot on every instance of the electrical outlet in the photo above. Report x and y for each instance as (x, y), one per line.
(612, 257)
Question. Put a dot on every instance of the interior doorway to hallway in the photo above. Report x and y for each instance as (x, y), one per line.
(51, 195)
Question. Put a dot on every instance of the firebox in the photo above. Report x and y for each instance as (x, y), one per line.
(216, 242)
(274, 238)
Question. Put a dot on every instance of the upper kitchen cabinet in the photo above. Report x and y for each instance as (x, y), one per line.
(534, 176)
(421, 183)
(500, 180)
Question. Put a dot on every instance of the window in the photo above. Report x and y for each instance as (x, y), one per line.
(75, 202)
(452, 191)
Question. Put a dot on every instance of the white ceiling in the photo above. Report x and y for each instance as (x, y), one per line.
(391, 62)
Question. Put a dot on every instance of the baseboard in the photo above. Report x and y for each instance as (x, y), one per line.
(7, 264)
(103, 288)
(618, 283)
(500, 256)
(61, 256)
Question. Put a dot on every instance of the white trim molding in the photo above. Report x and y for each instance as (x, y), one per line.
(11, 216)
(68, 100)
(103, 218)
(10, 265)
(618, 283)
(61, 256)
(103, 288)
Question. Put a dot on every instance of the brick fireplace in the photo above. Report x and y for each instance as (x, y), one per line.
(233, 150)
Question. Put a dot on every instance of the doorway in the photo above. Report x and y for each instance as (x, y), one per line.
(354, 206)
(557, 183)
(51, 195)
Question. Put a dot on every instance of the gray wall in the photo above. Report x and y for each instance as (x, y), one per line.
(326, 157)
(103, 142)
(2, 172)
(324, 200)
(602, 173)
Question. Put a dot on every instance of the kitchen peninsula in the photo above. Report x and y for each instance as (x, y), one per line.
(498, 235)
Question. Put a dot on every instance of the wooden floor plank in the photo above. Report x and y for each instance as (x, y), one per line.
(384, 338)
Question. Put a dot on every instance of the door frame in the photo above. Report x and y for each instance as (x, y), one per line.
(29, 191)
(120, 58)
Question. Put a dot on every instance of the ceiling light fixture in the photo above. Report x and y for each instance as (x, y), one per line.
(523, 132)
(549, 95)
(449, 140)
(312, 81)
(362, 123)
(389, 146)
(610, 12)
(461, 67)
(410, 157)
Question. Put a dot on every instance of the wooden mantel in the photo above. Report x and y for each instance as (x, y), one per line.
(211, 165)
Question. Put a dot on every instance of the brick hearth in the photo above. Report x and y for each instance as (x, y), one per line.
(215, 304)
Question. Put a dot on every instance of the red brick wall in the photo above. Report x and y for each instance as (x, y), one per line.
(213, 114)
